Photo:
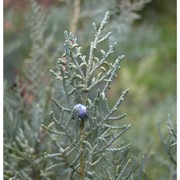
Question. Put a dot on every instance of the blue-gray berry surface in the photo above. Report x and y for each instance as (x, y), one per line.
(80, 111)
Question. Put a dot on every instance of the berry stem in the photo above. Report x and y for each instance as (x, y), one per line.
(82, 166)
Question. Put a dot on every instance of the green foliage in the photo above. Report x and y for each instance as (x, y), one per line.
(31, 95)
(170, 147)
(33, 42)
(87, 147)
(21, 136)
(26, 105)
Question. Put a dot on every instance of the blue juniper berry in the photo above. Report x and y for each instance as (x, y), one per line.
(80, 111)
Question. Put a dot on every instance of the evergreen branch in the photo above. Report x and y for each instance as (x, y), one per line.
(106, 167)
(61, 108)
(82, 160)
(63, 155)
(91, 55)
(112, 140)
(94, 26)
(107, 36)
(141, 169)
(98, 160)
(118, 149)
(124, 93)
(71, 174)
(131, 177)
(113, 73)
(90, 135)
(102, 25)
(88, 145)
(130, 169)
(114, 68)
(92, 174)
(171, 128)
(168, 147)
(71, 148)
(117, 117)
(17, 157)
(85, 141)
(53, 72)
(55, 166)
(74, 169)
(102, 136)
(37, 22)
(94, 44)
(104, 58)
(79, 68)
(99, 105)
(110, 176)
(113, 127)
(48, 129)
(71, 92)
(64, 81)
(55, 156)
(78, 156)
(123, 170)
(60, 125)
(104, 103)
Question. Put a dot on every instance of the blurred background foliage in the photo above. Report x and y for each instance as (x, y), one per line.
(145, 33)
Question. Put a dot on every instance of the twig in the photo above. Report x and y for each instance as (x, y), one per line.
(75, 17)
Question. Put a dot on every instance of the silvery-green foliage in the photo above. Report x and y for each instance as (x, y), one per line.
(20, 142)
(26, 105)
(170, 147)
(41, 52)
(82, 149)
(87, 148)
(122, 15)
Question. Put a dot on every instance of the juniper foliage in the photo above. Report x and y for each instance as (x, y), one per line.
(26, 105)
(170, 146)
(122, 15)
(88, 148)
